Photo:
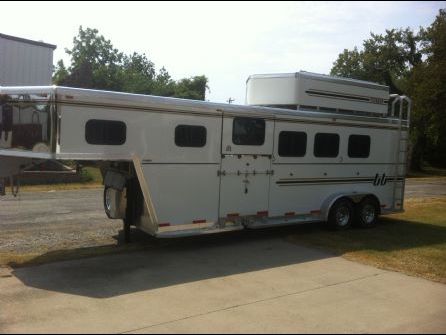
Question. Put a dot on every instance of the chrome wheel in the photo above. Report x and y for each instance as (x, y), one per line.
(343, 216)
(108, 199)
(368, 213)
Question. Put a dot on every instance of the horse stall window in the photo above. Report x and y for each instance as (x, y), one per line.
(190, 136)
(358, 146)
(105, 132)
(326, 145)
(248, 131)
(292, 144)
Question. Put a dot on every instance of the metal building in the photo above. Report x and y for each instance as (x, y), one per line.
(25, 62)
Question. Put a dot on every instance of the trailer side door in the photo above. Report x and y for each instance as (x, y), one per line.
(247, 144)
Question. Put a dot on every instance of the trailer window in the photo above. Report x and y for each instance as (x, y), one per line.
(292, 143)
(105, 132)
(190, 136)
(358, 146)
(26, 120)
(326, 145)
(248, 131)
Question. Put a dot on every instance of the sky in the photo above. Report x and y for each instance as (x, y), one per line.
(227, 42)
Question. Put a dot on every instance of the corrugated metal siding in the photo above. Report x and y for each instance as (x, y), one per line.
(2, 61)
(24, 64)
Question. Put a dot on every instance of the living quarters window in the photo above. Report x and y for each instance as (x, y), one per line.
(248, 131)
(190, 136)
(358, 146)
(105, 132)
(326, 145)
(292, 143)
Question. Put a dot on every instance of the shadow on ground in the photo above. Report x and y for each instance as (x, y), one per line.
(162, 263)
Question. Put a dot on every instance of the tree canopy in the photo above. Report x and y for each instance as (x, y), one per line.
(95, 63)
(413, 64)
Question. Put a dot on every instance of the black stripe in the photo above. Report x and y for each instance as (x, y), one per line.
(145, 162)
(321, 181)
(336, 163)
(346, 96)
(333, 181)
(337, 95)
(338, 178)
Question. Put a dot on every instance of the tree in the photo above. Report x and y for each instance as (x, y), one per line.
(192, 88)
(428, 90)
(385, 59)
(95, 63)
(412, 64)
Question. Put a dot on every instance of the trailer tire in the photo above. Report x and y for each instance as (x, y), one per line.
(341, 214)
(367, 212)
(107, 203)
(126, 230)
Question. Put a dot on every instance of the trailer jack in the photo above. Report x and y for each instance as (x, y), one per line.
(15, 188)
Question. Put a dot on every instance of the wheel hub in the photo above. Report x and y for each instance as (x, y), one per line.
(368, 213)
(343, 216)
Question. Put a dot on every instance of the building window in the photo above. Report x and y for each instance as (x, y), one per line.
(292, 144)
(248, 131)
(105, 132)
(190, 136)
(326, 145)
(358, 146)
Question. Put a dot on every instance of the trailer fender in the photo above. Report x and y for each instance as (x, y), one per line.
(115, 180)
(151, 224)
(329, 201)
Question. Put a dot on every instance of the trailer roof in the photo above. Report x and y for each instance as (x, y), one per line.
(140, 101)
(324, 77)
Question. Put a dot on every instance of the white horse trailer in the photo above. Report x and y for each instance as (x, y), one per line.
(306, 148)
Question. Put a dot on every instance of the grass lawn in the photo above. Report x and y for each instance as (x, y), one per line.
(413, 242)
(93, 179)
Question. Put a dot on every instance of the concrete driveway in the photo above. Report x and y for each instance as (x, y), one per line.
(242, 282)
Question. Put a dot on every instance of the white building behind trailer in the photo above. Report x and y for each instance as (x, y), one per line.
(326, 149)
(25, 62)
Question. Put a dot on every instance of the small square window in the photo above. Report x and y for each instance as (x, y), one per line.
(105, 132)
(248, 131)
(292, 144)
(190, 136)
(358, 146)
(326, 145)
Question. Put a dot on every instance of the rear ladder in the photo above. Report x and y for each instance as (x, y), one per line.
(402, 114)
